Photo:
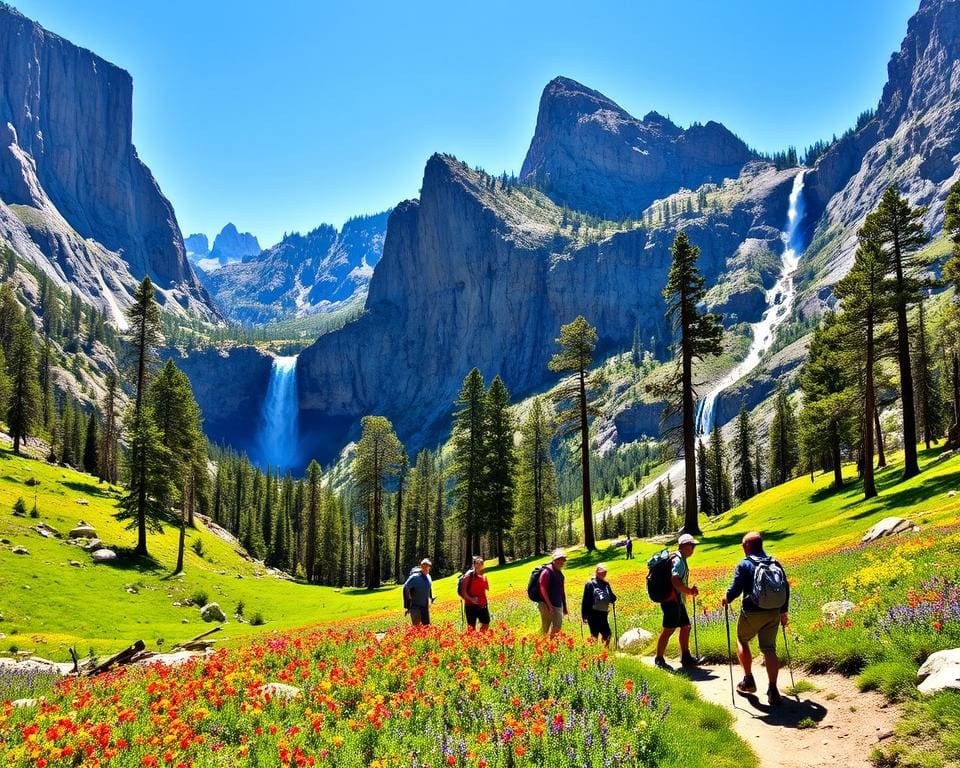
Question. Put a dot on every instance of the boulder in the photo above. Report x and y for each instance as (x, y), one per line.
(20, 551)
(91, 545)
(835, 610)
(24, 703)
(213, 612)
(634, 640)
(104, 556)
(941, 671)
(46, 531)
(76, 564)
(889, 526)
(83, 531)
(281, 691)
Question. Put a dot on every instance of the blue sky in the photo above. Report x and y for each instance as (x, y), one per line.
(281, 115)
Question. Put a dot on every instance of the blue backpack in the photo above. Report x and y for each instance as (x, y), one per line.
(769, 583)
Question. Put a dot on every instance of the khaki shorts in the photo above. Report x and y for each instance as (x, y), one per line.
(550, 619)
(762, 625)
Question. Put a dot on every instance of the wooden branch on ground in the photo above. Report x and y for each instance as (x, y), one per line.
(185, 645)
(122, 657)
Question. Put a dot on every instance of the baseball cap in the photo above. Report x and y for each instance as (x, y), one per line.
(558, 554)
(426, 561)
(686, 538)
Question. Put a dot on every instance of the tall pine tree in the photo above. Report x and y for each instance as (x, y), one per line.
(468, 461)
(784, 452)
(499, 464)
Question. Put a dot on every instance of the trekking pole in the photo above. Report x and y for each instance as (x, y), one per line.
(581, 630)
(696, 644)
(786, 645)
(726, 616)
(616, 630)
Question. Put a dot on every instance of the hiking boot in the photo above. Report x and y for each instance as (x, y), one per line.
(747, 685)
(774, 697)
(659, 661)
(690, 662)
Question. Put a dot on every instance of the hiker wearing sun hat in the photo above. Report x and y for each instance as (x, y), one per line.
(674, 608)
(553, 597)
(598, 600)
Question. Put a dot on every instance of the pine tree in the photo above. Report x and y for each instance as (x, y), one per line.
(743, 481)
(499, 464)
(144, 334)
(699, 334)
(468, 460)
(377, 459)
(927, 401)
(4, 383)
(577, 341)
(758, 466)
(440, 567)
(536, 496)
(663, 510)
(23, 404)
(10, 316)
(864, 292)
(312, 513)
(784, 452)
(719, 482)
(147, 461)
(704, 497)
(90, 446)
(951, 272)
(830, 397)
(897, 228)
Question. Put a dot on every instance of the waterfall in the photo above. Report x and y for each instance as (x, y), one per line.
(779, 306)
(278, 439)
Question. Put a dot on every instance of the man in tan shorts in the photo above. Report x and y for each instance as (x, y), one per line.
(760, 621)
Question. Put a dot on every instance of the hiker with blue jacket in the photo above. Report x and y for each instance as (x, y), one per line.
(418, 593)
(766, 604)
(598, 600)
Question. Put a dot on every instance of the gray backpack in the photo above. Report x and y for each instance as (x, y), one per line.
(769, 583)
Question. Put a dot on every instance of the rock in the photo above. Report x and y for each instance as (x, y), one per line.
(232, 246)
(20, 551)
(24, 703)
(76, 564)
(91, 545)
(104, 556)
(634, 640)
(46, 531)
(951, 494)
(83, 531)
(281, 691)
(4, 540)
(941, 671)
(184, 621)
(83, 502)
(98, 220)
(835, 610)
(213, 612)
(889, 526)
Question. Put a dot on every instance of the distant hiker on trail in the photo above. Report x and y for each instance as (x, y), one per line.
(553, 597)
(674, 608)
(629, 546)
(418, 593)
(473, 592)
(598, 600)
(766, 602)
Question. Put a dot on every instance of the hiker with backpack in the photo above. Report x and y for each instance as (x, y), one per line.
(668, 584)
(546, 589)
(598, 600)
(418, 593)
(472, 588)
(762, 582)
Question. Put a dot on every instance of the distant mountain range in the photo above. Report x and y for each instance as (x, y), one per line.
(229, 246)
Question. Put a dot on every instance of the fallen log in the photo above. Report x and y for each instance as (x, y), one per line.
(118, 658)
(202, 635)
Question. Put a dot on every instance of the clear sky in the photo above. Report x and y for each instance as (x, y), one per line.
(281, 115)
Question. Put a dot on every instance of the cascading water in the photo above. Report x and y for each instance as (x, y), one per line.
(779, 306)
(278, 439)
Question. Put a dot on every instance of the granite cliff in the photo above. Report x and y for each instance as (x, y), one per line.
(302, 274)
(75, 199)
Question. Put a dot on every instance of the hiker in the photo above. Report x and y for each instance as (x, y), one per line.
(598, 600)
(418, 593)
(629, 546)
(473, 592)
(674, 608)
(772, 590)
(553, 598)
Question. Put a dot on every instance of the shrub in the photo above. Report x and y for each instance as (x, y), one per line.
(20, 507)
(200, 597)
(257, 619)
(197, 546)
(238, 611)
(894, 679)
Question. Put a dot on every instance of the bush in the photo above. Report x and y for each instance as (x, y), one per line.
(257, 619)
(200, 598)
(896, 680)
(238, 611)
(197, 546)
(20, 507)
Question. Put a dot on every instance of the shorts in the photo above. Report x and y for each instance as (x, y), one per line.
(599, 623)
(476, 613)
(551, 619)
(674, 614)
(420, 615)
(762, 625)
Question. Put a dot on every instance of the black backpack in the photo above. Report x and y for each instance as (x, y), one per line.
(660, 576)
(464, 578)
(533, 586)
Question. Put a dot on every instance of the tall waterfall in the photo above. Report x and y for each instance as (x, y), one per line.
(779, 306)
(278, 439)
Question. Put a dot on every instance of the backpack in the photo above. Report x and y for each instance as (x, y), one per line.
(601, 597)
(533, 586)
(769, 583)
(660, 576)
(464, 579)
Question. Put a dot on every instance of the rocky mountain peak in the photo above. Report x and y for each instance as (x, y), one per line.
(232, 245)
(588, 153)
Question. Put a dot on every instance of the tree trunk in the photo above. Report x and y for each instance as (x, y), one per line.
(910, 466)
(835, 460)
(588, 539)
(691, 523)
(869, 488)
(396, 547)
(881, 455)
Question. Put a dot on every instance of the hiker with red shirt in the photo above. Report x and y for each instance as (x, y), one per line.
(553, 597)
(473, 592)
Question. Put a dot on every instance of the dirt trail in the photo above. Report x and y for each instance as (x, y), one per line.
(848, 723)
